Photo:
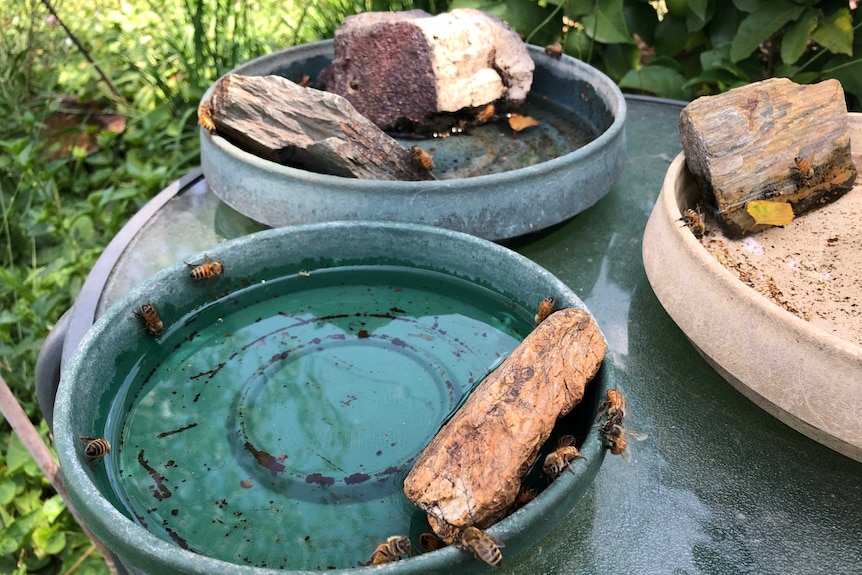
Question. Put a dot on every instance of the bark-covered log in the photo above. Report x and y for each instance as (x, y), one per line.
(283, 122)
(471, 471)
(773, 141)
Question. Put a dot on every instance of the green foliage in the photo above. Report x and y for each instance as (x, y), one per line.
(688, 48)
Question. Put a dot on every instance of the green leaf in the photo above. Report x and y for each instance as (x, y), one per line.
(51, 540)
(17, 455)
(795, 40)
(52, 508)
(698, 7)
(722, 27)
(606, 23)
(671, 36)
(760, 25)
(8, 488)
(657, 80)
(619, 59)
(835, 32)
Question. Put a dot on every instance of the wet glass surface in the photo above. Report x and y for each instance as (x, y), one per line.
(719, 486)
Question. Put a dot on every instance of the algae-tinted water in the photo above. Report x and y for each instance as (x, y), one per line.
(275, 426)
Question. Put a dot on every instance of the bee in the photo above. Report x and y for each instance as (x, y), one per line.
(205, 116)
(554, 50)
(96, 449)
(803, 166)
(561, 458)
(615, 438)
(390, 550)
(524, 496)
(614, 407)
(209, 269)
(421, 157)
(153, 323)
(305, 81)
(485, 114)
(429, 542)
(694, 220)
(546, 307)
(484, 547)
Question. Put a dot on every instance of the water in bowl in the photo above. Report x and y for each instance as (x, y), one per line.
(274, 427)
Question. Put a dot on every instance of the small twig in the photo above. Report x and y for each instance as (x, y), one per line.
(31, 439)
(85, 52)
(80, 560)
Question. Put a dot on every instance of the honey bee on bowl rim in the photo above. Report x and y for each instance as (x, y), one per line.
(561, 458)
(96, 448)
(615, 438)
(804, 167)
(614, 407)
(545, 308)
(390, 550)
(421, 157)
(693, 219)
(554, 50)
(484, 547)
(152, 321)
(209, 269)
(205, 116)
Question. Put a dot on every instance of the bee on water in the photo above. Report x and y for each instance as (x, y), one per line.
(209, 269)
(96, 449)
(153, 323)
(421, 157)
(205, 116)
(546, 306)
(615, 438)
(429, 542)
(803, 166)
(390, 550)
(484, 547)
(694, 220)
(614, 407)
(554, 50)
(561, 458)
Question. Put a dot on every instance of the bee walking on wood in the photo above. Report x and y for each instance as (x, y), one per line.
(484, 547)
(209, 269)
(615, 438)
(96, 449)
(485, 114)
(421, 157)
(694, 220)
(390, 550)
(803, 166)
(546, 307)
(152, 322)
(562, 457)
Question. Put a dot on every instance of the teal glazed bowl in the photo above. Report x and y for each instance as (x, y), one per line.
(491, 184)
(269, 426)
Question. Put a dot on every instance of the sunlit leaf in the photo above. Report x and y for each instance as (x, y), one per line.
(760, 25)
(51, 540)
(770, 213)
(835, 32)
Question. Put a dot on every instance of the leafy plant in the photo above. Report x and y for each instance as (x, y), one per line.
(687, 48)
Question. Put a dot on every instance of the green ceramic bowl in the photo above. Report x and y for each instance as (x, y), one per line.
(271, 423)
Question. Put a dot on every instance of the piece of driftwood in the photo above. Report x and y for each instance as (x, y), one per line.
(471, 472)
(278, 120)
(410, 71)
(771, 141)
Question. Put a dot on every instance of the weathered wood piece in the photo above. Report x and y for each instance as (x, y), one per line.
(471, 471)
(772, 140)
(401, 69)
(280, 121)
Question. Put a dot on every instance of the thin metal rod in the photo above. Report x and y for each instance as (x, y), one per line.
(31, 439)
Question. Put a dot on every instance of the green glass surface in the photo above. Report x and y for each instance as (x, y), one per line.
(253, 431)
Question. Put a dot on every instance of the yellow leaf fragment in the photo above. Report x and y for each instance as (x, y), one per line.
(770, 213)
(518, 122)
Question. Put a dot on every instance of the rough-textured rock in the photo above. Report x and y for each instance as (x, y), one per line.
(773, 141)
(471, 471)
(400, 68)
(280, 121)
